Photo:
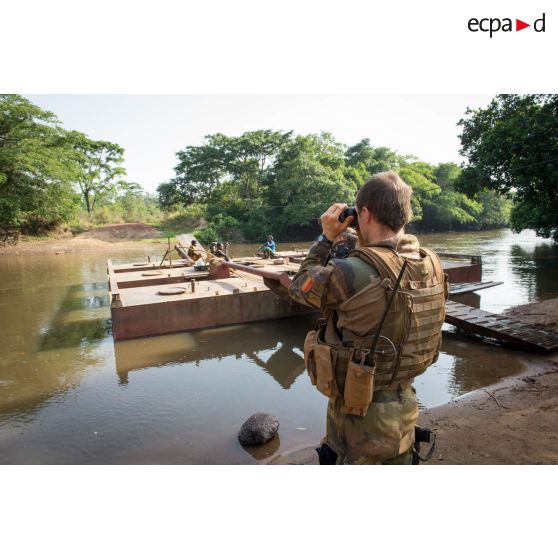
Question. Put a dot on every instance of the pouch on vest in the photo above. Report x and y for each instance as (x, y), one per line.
(359, 387)
(309, 358)
(324, 368)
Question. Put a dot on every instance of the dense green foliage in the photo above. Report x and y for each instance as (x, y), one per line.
(47, 174)
(37, 168)
(129, 206)
(274, 182)
(266, 181)
(512, 148)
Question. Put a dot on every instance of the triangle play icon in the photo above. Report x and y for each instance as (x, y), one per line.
(519, 25)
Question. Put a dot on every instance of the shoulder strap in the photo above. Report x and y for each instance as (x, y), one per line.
(436, 263)
(385, 260)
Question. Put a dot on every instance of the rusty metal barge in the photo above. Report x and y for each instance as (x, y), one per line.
(153, 297)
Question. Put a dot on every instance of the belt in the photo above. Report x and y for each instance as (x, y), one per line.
(341, 365)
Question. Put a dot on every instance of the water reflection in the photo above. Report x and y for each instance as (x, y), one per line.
(266, 450)
(465, 363)
(55, 317)
(275, 347)
(77, 334)
(536, 268)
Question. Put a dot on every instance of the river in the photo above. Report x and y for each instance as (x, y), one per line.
(69, 394)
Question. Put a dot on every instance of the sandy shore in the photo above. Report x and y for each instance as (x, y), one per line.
(108, 238)
(512, 422)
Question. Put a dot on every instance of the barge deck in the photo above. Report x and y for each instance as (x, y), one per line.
(152, 298)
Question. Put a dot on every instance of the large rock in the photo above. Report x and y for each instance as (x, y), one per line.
(258, 429)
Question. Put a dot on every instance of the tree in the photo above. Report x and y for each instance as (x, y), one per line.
(496, 210)
(511, 148)
(374, 159)
(37, 167)
(446, 174)
(310, 174)
(251, 155)
(100, 169)
(243, 161)
(200, 170)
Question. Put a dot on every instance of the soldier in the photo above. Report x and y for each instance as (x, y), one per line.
(383, 307)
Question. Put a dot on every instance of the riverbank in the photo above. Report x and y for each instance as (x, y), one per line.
(512, 422)
(109, 238)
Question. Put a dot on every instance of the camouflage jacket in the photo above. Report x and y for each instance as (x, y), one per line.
(326, 285)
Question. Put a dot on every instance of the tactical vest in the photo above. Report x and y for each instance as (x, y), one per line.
(339, 356)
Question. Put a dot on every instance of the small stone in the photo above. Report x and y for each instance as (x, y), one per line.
(258, 429)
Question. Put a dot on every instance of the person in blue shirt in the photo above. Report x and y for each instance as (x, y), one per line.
(268, 247)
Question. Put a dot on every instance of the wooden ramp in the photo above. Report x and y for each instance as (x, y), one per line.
(462, 288)
(499, 326)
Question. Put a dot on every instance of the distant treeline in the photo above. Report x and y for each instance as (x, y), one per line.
(265, 181)
(276, 182)
(51, 176)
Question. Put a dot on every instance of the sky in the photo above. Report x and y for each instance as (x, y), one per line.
(152, 128)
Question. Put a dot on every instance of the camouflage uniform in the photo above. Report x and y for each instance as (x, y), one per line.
(386, 433)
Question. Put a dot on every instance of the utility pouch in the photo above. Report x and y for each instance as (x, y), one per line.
(324, 368)
(359, 386)
(309, 357)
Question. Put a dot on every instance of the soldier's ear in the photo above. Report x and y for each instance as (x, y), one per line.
(364, 215)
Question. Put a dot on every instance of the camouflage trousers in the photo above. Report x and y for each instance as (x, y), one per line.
(385, 435)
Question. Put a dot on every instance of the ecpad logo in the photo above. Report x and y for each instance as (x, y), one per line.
(494, 24)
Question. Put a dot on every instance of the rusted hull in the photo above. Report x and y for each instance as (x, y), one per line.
(470, 273)
(199, 313)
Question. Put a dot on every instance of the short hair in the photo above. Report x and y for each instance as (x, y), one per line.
(194, 241)
(388, 198)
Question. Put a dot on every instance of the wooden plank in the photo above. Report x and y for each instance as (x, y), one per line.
(499, 327)
(461, 288)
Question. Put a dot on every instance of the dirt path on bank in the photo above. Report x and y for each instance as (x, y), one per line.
(107, 238)
(512, 422)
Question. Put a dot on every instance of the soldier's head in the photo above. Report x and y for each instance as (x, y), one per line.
(384, 201)
(194, 242)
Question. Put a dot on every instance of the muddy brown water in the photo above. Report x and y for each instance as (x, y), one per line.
(69, 394)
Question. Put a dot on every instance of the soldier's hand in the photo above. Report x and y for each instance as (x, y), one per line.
(331, 225)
